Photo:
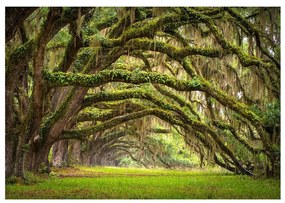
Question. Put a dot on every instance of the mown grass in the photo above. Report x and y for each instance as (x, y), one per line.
(126, 183)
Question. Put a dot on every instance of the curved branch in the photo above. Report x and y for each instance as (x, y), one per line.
(173, 52)
(245, 59)
(74, 134)
(253, 31)
(97, 116)
(224, 126)
(14, 18)
(196, 84)
(60, 79)
(182, 102)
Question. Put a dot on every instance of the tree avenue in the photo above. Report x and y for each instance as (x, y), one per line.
(95, 85)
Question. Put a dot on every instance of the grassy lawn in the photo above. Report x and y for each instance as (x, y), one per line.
(128, 183)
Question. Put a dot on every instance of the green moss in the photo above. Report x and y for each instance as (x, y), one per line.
(23, 53)
(106, 124)
(196, 82)
(135, 77)
(172, 51)
(106, 22)
(93, 114)
(182, 52)
(230, 102)
(51, 118)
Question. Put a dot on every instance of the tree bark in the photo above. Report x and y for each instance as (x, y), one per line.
(14, 18)
(75, 152)
(39, 157)
(60, 153)
(10, 155)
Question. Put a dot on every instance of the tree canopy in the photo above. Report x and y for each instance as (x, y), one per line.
(131, 82)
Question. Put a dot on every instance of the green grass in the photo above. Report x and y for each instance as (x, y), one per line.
(128, 183)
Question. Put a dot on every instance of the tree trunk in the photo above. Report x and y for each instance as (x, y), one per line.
(97, 161)
(10, 155)
(60, 153)
(39, 159)
(19, 162)
(75, 152)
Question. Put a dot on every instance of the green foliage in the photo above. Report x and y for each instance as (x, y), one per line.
(53, 174)
(174, 151)
(196, 82)
(271, 116)
(129, 162)
(13, 180)
(31, 178)
(255, 109)
(43, 168)
(22, 52)
(62, 38)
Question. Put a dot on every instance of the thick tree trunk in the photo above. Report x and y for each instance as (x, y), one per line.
(10, 155)
(39, 159)
(75, 152)
(60, 153)
(19, 162)
(11, 138)
(97, 159)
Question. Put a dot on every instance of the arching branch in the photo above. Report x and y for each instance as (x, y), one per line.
(14, 18)
(196, 84)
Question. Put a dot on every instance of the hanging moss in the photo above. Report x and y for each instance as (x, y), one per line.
(229, 128)
(172, 51)
(231, 102)
(104, 125)
(197, 83)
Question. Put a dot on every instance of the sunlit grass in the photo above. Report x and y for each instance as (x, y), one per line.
(157, 171)
(131, 183)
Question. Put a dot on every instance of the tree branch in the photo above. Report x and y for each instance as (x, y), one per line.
(105, 125)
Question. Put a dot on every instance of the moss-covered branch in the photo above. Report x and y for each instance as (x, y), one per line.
(172, 51)
(105, 125)
(125, 94)
(64, 79)
(145, 28)
(113, 135)
(182, 102)
(224, 126)
(98, 115)
(252, 30)
(245, 59)
(197, 125)
(93, 80)
(196, 84)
